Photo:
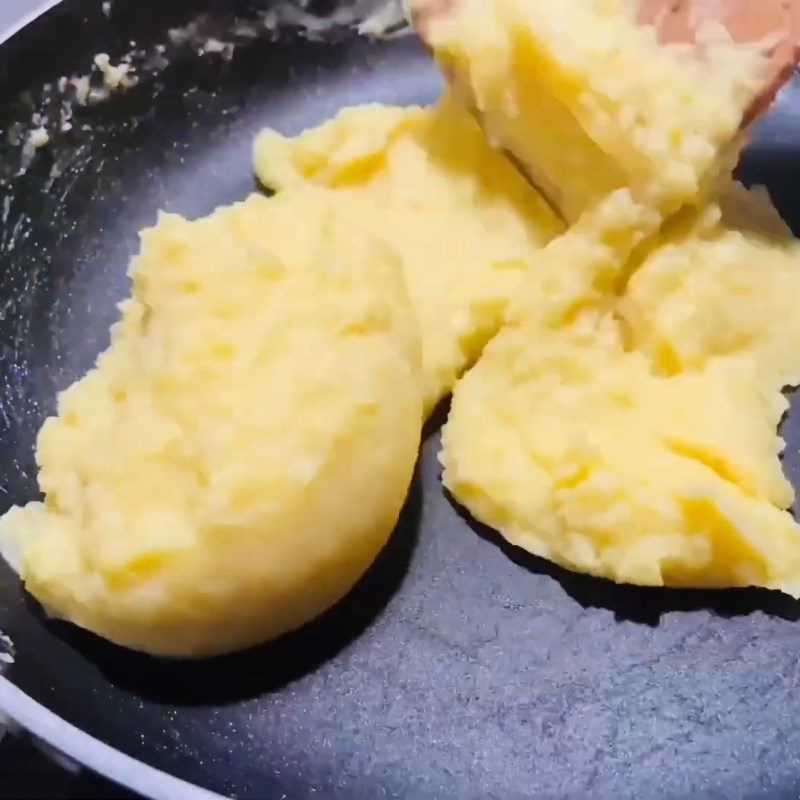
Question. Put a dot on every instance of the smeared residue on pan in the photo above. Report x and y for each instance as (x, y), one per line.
(54, 111)
(7, 650)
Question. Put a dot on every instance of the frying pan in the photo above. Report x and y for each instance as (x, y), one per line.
(459, 667)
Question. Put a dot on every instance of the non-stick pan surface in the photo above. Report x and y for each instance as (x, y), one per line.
(459, 667)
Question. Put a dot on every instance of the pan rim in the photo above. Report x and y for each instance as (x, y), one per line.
(27, 19)
(92, 753)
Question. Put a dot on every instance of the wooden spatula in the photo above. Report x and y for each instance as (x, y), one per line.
(772, 25)
(775, 23)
